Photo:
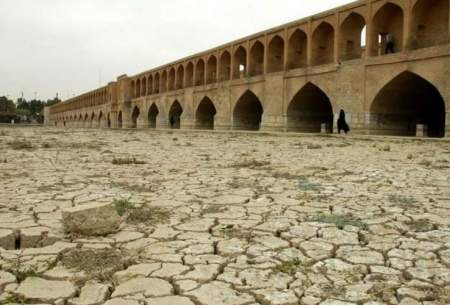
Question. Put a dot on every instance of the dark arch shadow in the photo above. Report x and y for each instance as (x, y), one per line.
(134, 117)
(204, 116)
(152, 115)
(309, 109)
(175, 115)
(406, 101)
(248, 112)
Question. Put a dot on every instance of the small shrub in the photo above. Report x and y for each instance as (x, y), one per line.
(20, 145)
(250, 164)
(306, 185)
(100, 264)
(123, 206)
(421, 225)
(339, 221)
(127, 161)
(288, 267)
(148, 215)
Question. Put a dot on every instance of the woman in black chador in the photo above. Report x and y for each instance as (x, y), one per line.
(342, 124)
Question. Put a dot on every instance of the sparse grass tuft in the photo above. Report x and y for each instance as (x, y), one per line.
(421, 225)
(340, 221)
(141, 214)
(99, 264)
(127, 161)
(306, 185)
(122, 206)
(253, 164)
(21, 145)
(288, 267)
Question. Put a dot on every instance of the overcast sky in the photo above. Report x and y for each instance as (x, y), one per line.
(73, 46)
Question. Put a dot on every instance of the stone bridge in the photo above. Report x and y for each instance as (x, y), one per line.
(296, 78)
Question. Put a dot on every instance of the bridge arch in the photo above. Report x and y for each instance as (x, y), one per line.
(150, 85)
(240, 63)
(256, 59)
(156, 85)
(109, 120)
(189, 75)
(275, 53)
(350, 41)
(171, 84)
(388, 19)
(430, 23)
(152, 115)
(204, 116)
(297, 50)
(200, 73)
(163, 85)
(119, 120)
(211, 70)
(247, 113)
(175, 113)
(135, 116)
(323, 44)
(405, 102)
(100, 118)
(225, 66)
(138, 88)
(309, 109)
(180, 77)
(144, 86)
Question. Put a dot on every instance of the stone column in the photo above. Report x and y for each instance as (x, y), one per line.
(407, 25)
(421, 130)
(447, 125)
(309, 44)
(142, 122)
(162, 122)
(336, 37)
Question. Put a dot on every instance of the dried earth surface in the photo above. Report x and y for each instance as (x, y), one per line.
(225, 218)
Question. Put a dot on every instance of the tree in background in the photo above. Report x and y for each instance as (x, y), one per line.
(7, 110)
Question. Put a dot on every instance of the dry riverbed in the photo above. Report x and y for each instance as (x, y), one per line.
(225, 219)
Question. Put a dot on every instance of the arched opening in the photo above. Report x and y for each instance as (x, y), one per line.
(175, 115)
(180, 77)
(204, 117)
(275, 60)
(323, 44)
(156, 87)
(405, 102)
(172, 79)
(248, 112)
(225, 66)
(100, 118)
(309, 109)
(152, 115)
(150, 85)
(189, 75)
(163, 86)
(211, 70)
(138, 88)
(350, 43)
(240, 63)
(297, 50)
(430, 23)
(387, 29)
(200, 73)
(119, 120)
(134, 117)
(133, 89)
(144, 87)
(256, 59)
(109, 120)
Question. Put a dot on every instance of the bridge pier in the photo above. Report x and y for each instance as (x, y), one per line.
(272, 123)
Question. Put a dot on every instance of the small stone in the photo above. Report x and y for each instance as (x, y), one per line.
(91, 219)
(35, 289)
(7, 239)
(92, 294)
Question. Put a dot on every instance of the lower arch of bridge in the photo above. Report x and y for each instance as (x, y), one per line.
(204, 116)
(405, 102)
(134, 117)
(248, 112)
(309, 109)
(119, 120)
(109, 120)
(175, 115)
(152, 115)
